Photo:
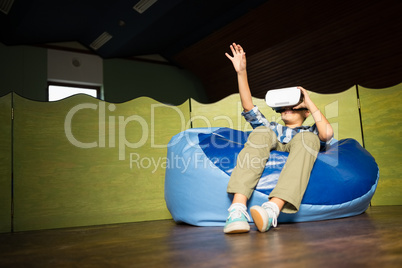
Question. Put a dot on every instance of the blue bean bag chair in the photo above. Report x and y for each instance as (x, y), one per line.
(200, 161)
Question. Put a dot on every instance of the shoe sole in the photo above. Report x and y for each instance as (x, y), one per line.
(260, 218)
(237, 228)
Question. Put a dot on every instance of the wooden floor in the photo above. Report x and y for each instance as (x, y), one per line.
(373, 239)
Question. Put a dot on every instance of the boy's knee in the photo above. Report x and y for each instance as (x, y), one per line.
(308, 138)
(262, 135)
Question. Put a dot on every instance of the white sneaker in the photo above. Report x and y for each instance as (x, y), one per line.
(264, 216)
(237, 221)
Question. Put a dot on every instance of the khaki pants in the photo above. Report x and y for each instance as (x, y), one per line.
(294, 177)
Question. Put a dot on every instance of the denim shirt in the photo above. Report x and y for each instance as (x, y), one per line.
(284, 134)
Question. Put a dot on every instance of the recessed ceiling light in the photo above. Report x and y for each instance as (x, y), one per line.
(5, 6)
(100, 41)
(143, 5)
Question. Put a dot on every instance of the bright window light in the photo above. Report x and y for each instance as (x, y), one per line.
(61, 92)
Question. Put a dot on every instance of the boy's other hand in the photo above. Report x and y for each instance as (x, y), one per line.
(307, 102)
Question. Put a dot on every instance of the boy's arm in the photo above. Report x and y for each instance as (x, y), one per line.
(239, 63)
(325, 131)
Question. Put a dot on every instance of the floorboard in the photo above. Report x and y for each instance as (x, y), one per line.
(373, 239)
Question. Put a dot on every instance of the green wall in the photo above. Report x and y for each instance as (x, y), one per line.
(23, 70)
(126, 80)
(81, 161)
(5, 163)
(381, 116)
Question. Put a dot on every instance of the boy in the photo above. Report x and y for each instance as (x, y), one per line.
(302, 143)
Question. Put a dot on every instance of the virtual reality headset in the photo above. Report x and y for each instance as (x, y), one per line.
(283, 97)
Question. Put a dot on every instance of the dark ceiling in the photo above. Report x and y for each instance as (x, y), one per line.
(326, 46)
(165, 28)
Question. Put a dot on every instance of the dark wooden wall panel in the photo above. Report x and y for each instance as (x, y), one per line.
(325, 46)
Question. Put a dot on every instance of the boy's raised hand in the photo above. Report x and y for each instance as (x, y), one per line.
(239, 57)
(239, 63)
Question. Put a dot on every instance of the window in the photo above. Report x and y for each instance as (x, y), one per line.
(61, 91)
